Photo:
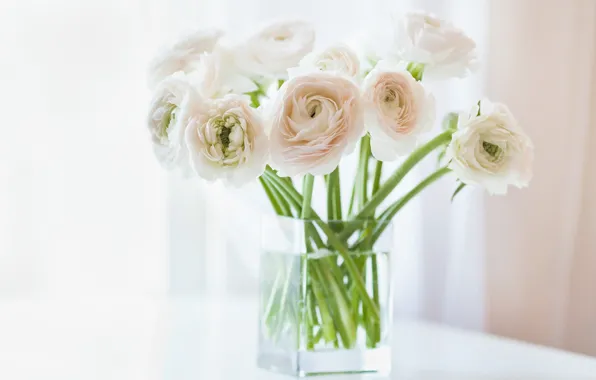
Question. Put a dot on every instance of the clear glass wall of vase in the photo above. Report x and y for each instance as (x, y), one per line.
(325, 296)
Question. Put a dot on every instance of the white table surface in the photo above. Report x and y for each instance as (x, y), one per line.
(201, 339)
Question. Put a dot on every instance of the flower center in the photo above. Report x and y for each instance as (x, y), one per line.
(224, 136)
(390, 96)
(228, 130)
(493, 150)
(432, 21)
(281, 37)
(314, 108)
(169, 118)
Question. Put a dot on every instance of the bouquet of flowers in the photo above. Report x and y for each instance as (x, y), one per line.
(272, 109)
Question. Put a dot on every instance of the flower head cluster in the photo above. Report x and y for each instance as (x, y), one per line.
(222, 109)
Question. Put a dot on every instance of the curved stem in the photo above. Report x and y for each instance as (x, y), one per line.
(295, 202)
(393, 181)
(459, 188)
(279, 204)
(390, 212)
(272, 199)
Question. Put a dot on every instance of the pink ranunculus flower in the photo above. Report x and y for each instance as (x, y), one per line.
(398, 111)
(315, 120)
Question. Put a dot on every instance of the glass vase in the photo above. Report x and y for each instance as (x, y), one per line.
(325, 296)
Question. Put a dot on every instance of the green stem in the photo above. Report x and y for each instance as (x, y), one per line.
(340, 308)
(307, 186)
(338, 302)
(350, 265)
(354, 296)
(459, 188)
(275, 306)
(363, 168)
(272, 307)
(283, 301)
(271, 197)
(318, 336)
(401, 172)
(352, 199)
(279, 204)
(313, 309)
(375, 284)
(334, 178)
(333, 240)
(327, 324)
(337, 274)
(282, 187)
(362, 178)
(392, 182)
(390, 212)
(357, 186)
(311, 320)
(375, 325)
(377, 177)
(330, 194)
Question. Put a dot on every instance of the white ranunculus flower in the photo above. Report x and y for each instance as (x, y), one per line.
(217, 75)
(398, 110)
(172, 104)
(338, 59)
(276, 48)
(445, 50)
(183, 55)
(490, 149)
(226, 140)
(315, 119)
(371, 46)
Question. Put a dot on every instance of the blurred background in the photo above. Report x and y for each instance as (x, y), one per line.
(86, 211)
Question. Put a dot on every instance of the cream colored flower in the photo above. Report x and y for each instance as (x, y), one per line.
(217, 75)
(490, 149)
(276, 48)
(226, 140)
(316, 118)
(398, 110)
(445, 50)
(184, 55)
(338, 59)
(371, 45)
(173, 102)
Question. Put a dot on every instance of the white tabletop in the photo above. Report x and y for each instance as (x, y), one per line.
(200, 339)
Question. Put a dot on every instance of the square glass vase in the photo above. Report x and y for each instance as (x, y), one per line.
(324, 297)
